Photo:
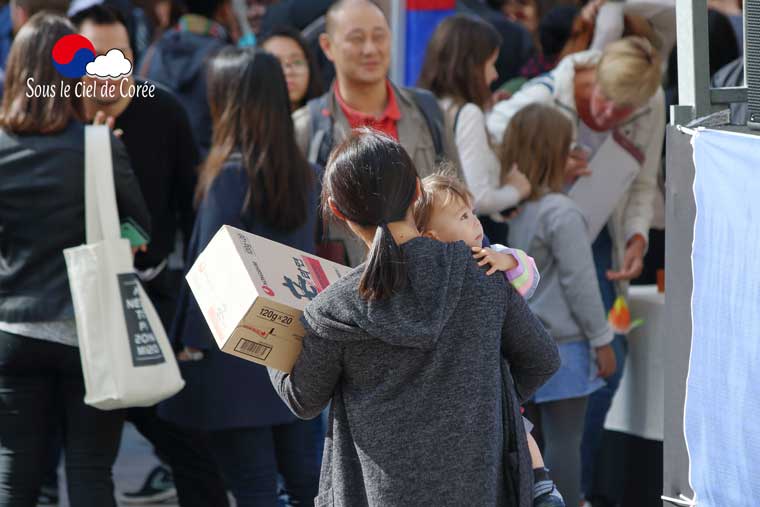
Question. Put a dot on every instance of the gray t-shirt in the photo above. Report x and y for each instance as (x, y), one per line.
(554, 232)
(57, 331)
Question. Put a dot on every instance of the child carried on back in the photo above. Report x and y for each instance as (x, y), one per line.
(444, 212)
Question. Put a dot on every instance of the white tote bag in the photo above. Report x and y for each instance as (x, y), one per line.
(127, 360)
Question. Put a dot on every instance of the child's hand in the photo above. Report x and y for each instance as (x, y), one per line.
(498, 261)
(605, 360)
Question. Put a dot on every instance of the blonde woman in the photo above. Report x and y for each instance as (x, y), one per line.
(615, 93)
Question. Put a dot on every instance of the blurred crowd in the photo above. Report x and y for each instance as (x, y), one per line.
(514, 101)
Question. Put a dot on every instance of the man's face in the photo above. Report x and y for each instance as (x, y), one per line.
(605, 112)
(104, 38)
(360, 43)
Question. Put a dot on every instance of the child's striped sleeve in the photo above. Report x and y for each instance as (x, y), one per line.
(524, 278)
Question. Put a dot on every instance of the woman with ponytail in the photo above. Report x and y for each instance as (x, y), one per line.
(424, 358)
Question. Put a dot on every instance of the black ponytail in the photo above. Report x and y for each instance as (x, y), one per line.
(385, 271)
(372, 181)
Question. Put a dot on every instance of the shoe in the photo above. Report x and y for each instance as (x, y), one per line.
(158, 487)
(48, 497)
(550, 499)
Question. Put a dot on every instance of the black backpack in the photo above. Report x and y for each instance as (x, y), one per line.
(321, 124)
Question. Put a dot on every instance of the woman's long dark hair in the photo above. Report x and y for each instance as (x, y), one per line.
(455, 59)
(250, 111)
(30, 58)
(316, 87)
(372, 181)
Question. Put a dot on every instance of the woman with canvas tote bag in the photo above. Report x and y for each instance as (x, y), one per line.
(127, 360)
(42, 213)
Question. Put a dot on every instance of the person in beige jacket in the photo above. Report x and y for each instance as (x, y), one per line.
(358, 42)
(615, 93)
(637, 119)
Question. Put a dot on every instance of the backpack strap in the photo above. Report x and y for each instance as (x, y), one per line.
(456, 119)
(322, 125)
(321, 128)
(427, 103)
(147, 61)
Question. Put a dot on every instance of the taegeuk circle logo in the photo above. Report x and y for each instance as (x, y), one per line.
(74, 56)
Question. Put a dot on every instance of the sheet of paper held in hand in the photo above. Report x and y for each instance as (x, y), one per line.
(613, 170)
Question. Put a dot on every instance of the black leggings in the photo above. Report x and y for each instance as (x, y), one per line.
(562, 429)
(41, 385)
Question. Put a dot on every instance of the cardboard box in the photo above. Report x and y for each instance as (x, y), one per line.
(252, 291)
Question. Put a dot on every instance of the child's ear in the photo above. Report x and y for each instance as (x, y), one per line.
(431, 235)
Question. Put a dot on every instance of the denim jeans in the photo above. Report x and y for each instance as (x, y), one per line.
(251, 458)
(599, 402)
(41, 386)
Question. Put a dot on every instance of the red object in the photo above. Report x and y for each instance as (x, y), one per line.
(334, 251)
(256, 330)
(318, 276)
(430, 5)
(386, 123)
(68, 45)
(660, 280)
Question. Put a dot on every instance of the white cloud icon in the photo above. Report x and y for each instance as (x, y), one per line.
(112, 64)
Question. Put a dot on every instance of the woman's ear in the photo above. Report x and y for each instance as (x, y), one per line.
(335, 210)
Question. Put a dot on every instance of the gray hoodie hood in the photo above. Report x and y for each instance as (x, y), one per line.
(414, 317)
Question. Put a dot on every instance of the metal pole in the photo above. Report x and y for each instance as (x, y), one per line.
(693, 61)
(398, 31)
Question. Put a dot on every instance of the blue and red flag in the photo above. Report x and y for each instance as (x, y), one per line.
(422, 18)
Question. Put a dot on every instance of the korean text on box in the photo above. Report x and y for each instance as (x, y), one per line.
(252, 291)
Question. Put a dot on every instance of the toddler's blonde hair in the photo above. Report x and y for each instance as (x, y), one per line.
(438, 190)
